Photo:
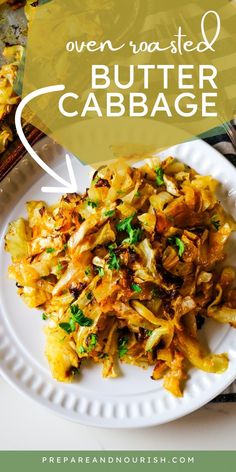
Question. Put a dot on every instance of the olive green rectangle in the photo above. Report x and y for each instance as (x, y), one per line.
(117, 460)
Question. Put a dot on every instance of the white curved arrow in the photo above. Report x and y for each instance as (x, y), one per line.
(69, 187)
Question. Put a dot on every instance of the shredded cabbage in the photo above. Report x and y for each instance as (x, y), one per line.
(128, 271)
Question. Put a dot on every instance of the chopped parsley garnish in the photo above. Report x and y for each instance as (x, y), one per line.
(124, 225)
(87, 271)
(159, 176)
(175, 241)
(109, 213)
(215, 222)
(89, 296)
(72, 325)
(81, 350)
(92, 204)
(134, 236)
(96, 179)
(66, 327)
(59, 267)
(100, 271)
(65, 246)
(113, 261)
(149, 332)
(136, 288)
(122, 346)
(50, 249)
(137, 194)
(113, 246)
(180, 246)
(134, 233)
(77, 316)
(92, 341)
(44, 316)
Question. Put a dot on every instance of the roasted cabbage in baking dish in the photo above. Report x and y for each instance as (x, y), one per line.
(8, 98)
(128, 271)
(12, 56)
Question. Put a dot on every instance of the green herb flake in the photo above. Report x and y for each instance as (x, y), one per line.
(159, 176)
(96, 179)
(113, 262)
(78, 316)
(134, 233)
(89, 296)
(136, 288)
(81, 350)
(92, 204)
(124, 225)
(122, 346)
(59, 267)
(44, 316)
(100, 271)
(109, 213)
(180, 246)
(87, 271)
(149, 332)
(50, 249)
(215, 222)
(175, 241)
(137, 194)
(66, 327)
(111, 247)
(65, 246)
(72, 325)
(134, 236)
(74, 309)
(92, 341)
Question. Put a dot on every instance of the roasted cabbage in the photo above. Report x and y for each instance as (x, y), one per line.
(128, 271)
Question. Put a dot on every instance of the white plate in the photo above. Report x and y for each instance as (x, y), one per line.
(133, 400)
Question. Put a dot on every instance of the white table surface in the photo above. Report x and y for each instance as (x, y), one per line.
(24, 425)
